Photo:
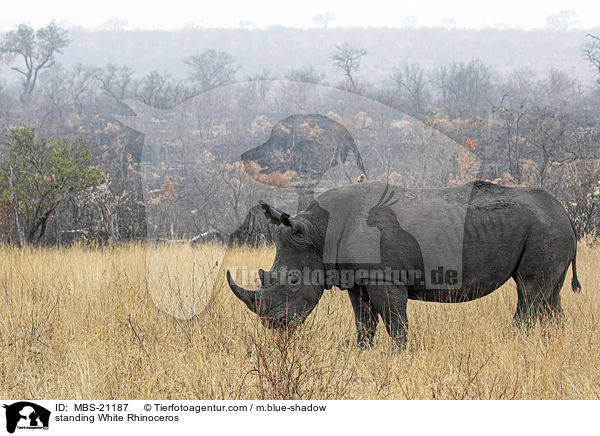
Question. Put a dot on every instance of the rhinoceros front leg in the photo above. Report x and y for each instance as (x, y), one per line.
(390, 301)
(365, 316)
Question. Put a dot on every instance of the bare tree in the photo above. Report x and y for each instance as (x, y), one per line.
(346, 58)
(55, 101)
(211, 69)
(579, 185)
(591, 51)
(116, 81)
(465, 88)
(323, 19)
(562, 20)
(160, 90)
(38, 50)
(552, 140)
(115, 24)
(305, 74)
(262, 82)
(411, 85)
(83, 86)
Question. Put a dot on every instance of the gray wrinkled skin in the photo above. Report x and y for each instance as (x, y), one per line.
(519, 233)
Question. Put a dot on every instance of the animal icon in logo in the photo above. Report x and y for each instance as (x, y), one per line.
(27, 414)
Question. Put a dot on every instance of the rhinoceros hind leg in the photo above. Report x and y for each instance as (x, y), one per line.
(538, 297)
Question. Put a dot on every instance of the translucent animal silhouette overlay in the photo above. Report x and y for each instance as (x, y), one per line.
(418, 224)
(205, 163)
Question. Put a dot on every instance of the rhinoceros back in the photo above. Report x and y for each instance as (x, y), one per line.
(434, 217)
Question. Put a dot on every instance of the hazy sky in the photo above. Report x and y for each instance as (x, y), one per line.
(226, 13)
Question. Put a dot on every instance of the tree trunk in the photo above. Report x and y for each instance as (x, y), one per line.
(13, 193)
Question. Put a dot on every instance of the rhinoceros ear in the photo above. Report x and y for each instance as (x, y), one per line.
(272, 214)
(277, 217)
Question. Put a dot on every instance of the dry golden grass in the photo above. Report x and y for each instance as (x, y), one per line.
(82, 323)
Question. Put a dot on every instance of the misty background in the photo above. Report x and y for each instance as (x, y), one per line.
(280, 49)
(525, 102)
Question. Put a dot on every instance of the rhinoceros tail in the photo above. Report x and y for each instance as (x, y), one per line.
(575, 285)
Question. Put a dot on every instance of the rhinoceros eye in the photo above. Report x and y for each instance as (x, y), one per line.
(294, 278)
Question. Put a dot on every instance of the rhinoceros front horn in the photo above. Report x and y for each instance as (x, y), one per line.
(248, 297)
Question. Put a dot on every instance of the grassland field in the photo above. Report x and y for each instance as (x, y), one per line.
(138, 321)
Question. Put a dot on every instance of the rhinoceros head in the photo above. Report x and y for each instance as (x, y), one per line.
(292, 288)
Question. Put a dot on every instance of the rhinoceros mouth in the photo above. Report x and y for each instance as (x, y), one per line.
(284, 323)
(259, 302)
